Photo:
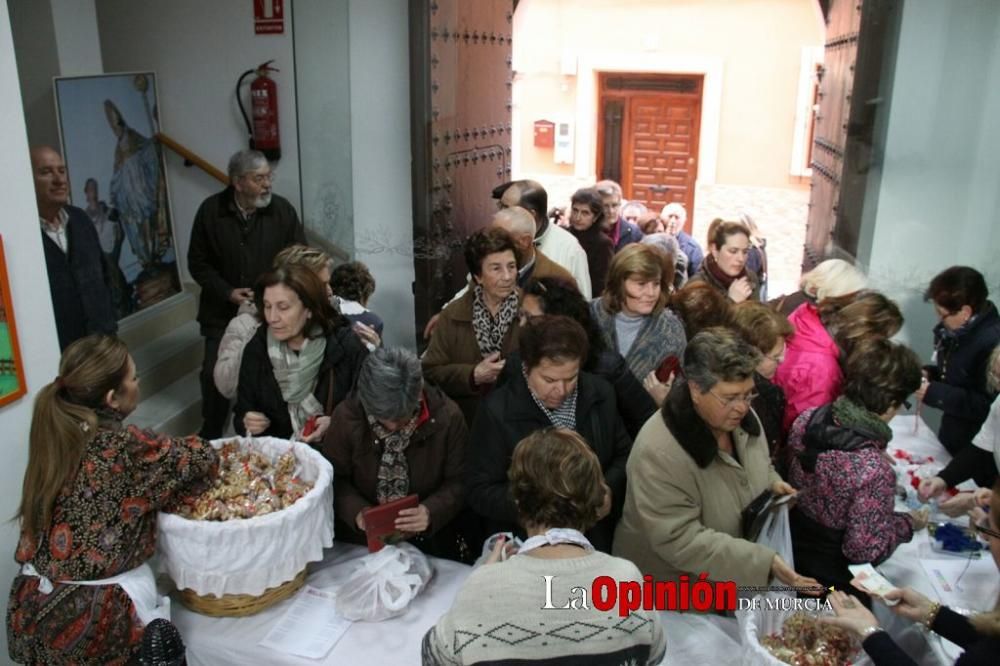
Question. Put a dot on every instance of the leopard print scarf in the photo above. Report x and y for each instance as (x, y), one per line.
(490, 330)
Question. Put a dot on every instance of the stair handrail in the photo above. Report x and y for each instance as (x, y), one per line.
(190, 157)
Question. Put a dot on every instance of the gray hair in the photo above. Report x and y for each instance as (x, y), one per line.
(833, 277)
(719, 355)
(245, 161)
(390, 383)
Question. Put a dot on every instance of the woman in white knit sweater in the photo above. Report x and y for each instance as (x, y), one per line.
(532, 607)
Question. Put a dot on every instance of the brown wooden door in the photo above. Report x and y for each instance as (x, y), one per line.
(648, 137)
(661, 150)
(843, 140)
(460, 90)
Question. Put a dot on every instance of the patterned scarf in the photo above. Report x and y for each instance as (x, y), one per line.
(297, 376)
(491, 330)
(393, 470)
(563, 416)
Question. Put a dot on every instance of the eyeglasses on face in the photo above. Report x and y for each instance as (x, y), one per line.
(735, 401)
(261, 178)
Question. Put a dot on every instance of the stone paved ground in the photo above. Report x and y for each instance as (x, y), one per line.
(780, 214)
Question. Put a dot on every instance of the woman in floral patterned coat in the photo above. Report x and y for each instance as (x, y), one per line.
(846, 485)
(88, 513)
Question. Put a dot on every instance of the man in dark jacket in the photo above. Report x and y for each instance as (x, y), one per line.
(81, 299)
(621, 231)
(235, 237)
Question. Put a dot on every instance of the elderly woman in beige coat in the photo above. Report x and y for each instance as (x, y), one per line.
(695, 467)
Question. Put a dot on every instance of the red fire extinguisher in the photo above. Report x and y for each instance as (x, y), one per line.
(264, 111)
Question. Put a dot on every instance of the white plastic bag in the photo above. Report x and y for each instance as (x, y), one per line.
(384, 584)
(776, 533)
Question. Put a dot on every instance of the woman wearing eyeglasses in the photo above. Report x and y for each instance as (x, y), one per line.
(978, 635)
(968, 331)
(845, 511)
(695, 467)
(766, 330)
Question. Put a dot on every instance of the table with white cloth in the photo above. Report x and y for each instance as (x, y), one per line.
(907, 567)
(213, 641)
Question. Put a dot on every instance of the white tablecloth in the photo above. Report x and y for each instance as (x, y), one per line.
(223, 641)
(904, 568)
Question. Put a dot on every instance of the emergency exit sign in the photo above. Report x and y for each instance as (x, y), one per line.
(268, 17)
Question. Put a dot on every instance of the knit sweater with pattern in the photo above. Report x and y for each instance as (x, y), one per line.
(500, 617)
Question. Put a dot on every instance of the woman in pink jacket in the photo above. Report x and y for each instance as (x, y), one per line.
(825, 334)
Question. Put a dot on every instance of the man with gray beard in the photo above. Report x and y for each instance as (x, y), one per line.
(235, 237)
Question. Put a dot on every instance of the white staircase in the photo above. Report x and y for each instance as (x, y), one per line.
(167, 348)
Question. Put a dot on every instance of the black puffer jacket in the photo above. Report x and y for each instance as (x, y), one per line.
(258, 390)
(508, 415)
(958, 380)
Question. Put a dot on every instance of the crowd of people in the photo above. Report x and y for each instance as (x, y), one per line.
(580, 393)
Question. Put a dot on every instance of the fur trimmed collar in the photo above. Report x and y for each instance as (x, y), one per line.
(690, 431)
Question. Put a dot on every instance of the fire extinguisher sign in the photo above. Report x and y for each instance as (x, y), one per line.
(268, 17)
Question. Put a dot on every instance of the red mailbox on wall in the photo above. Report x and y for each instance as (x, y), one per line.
(545, 134)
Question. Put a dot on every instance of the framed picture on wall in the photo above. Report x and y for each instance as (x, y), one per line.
(12, 384)
(117, 175)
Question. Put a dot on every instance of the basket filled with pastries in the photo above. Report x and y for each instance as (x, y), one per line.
(243, 543)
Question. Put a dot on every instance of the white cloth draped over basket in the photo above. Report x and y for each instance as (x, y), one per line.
(250, 555)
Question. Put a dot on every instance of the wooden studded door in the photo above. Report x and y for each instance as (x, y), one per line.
(843, 140)
(649, 136)
(460, 91)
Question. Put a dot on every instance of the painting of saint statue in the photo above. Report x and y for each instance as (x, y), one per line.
(108, 126)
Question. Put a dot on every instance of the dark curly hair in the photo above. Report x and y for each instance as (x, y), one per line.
(556, 338)
(556, 480)
(353, 281)
(485, 242)
(591, 198)
(879, 374)
(957, 286)
(559, 297)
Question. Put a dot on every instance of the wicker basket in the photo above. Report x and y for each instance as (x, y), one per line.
(241, 605)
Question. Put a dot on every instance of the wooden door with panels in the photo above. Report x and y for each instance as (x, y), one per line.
(460, 96)
(648, 136)
(858, 42)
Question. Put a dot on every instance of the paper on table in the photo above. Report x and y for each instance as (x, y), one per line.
(310, 627)
(977, 589)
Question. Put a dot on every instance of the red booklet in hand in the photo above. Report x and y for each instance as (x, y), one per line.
(380, 522)
(671, 366)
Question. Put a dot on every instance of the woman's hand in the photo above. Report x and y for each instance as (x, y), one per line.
(912, 605)
(740, 290)
(922, 391)
(783, 488)
(322, 425)
(960, 504)
(367, 335)
(359, 520)
(919, 518)
(414, 521)
(787, 576)
(656, 389)
(501, 550)
(982, 497)
(931, 487)
(851, 613)
(487, 371)
(255, 423)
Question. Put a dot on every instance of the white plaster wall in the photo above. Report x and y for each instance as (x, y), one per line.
(28, 280)
(77, 42)
(938, 203)
(198, 49)
(380, 138)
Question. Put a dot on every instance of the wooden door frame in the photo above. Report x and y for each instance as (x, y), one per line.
(626, 96)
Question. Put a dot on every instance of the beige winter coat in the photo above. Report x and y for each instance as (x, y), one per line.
(684, 498)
